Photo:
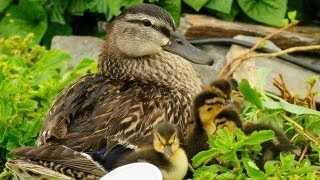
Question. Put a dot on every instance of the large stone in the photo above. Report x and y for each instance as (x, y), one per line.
(196, 26)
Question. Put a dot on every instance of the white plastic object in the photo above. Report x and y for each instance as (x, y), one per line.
(134, 171)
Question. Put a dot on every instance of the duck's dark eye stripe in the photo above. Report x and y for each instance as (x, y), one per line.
(164, 30)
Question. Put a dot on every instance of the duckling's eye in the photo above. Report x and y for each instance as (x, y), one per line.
(146, 22)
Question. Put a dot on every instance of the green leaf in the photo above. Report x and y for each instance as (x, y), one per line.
(26, 17)
(209, 172)
(4, 4)
(262, 74)
(78, 7)
(249, 93)
(56, 10)
(221, 6)
(116, 6)
(312, 79)
(292, 15)
(196, 5)
(252, 169)
(100, 6)
(26, 105)
(270, 167)
(232, 15)
(52, 60)
(292, 108)
(203, 156)
(173, 7)
(270, 12)
(259, 137)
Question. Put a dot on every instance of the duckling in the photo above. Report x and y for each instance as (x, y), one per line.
(210, 114)
(228, 118)
(144, 77)
(223, 87)
(227, 88)
(165, 153)
(272, 148)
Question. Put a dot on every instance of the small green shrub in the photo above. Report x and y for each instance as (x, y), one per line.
(237, 151)
(30, 79)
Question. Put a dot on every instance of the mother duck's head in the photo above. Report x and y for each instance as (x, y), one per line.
(146, 29)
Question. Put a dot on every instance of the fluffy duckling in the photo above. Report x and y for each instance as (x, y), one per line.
(227, 88)
(165, 153)
(272, 148)
(210, 114)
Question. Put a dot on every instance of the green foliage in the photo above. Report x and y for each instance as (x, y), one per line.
(235, 154)
(24, 18)
(265, 11)
(46, 18)
(30, 79)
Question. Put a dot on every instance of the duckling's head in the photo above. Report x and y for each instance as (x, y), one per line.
(222, 87)
(228, 118)
(207, 105)
(165, 139)
(146, 29)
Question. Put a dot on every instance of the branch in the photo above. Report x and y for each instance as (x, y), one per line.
(257, 45)
(286, 51)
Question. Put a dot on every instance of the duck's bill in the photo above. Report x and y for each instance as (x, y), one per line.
(179, 45)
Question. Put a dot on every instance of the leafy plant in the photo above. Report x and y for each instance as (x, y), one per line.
(30, 79)
(235, 154)
(46, 18)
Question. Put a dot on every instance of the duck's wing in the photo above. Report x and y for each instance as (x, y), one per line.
(96, 112)
(70, 103)
(127, 116)
(25, 169)
(62, 159)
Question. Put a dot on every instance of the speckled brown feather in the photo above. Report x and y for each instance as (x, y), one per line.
(63, 156)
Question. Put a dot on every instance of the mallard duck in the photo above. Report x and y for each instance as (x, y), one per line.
(164, 152)
(272, 148)
(144, 78)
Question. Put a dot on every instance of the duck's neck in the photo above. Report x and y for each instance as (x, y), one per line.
(163, 69)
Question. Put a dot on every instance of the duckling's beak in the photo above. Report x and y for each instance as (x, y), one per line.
(168, 151)
(179, 45)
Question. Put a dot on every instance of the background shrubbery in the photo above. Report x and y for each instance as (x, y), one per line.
(46, 18)
(30, 79)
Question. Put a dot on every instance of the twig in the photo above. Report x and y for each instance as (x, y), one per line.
(301, 130)
(279, 53)
(303, 153)
(257, 45)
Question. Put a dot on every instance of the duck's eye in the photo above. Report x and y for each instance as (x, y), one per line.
(146, 22)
